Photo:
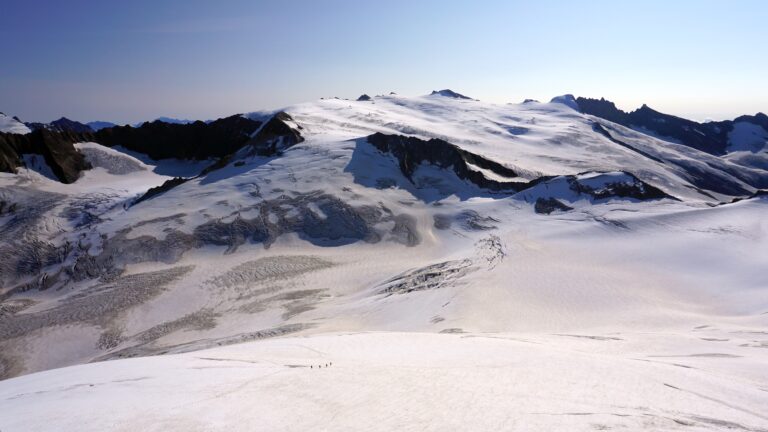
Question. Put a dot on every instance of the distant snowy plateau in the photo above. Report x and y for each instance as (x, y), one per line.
(431, 263)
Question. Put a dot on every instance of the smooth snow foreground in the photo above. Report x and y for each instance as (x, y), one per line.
(700, 380)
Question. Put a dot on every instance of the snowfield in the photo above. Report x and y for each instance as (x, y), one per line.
(620, 288)
(410, 381)
(11, 125)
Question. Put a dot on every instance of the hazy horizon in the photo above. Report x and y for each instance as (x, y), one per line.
(131, 62)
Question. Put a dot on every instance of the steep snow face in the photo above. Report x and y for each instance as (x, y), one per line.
(11, 125)
(748, 147)
(111, 160)
(747, 137)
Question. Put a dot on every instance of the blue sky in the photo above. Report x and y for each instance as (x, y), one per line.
(135, 60)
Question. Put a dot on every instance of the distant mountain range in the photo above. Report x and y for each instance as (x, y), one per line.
(63, 124)
(738, 146)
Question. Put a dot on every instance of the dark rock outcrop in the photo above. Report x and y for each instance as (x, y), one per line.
(721, 182)
(364, 97)
(198, 140)
(548, 205)
(449, 93)
(157, 190)
(411, 151)
(158, 140)
(635, 188)
(710, 137)
(604, 109)
(65, 161)
(276, 135)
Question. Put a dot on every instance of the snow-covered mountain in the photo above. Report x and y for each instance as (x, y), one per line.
(390, 261)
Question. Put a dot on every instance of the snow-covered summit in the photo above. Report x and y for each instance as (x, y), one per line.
(567, 100)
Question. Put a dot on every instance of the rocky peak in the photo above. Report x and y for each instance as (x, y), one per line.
(278, 133)
(449, 93)
(66, 125)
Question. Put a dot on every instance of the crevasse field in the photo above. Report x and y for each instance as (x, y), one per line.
(374, 301)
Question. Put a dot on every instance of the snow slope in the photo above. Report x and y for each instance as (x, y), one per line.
(11, 125)
(409, 381)
(747, 136)
(442, 305)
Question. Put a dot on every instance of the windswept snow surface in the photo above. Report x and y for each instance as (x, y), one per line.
(437, 305)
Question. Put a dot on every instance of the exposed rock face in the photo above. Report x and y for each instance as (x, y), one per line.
(410, 152)
(363, 97)
(317, 217)
(278, 134)
(548, 205)
(57, 149)
(604, 109)
(717, 183)
(711, 137)
(449, 93)
(158, 140)
(98, 125)
(157, 190)
(198, 140)
(634, 188)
